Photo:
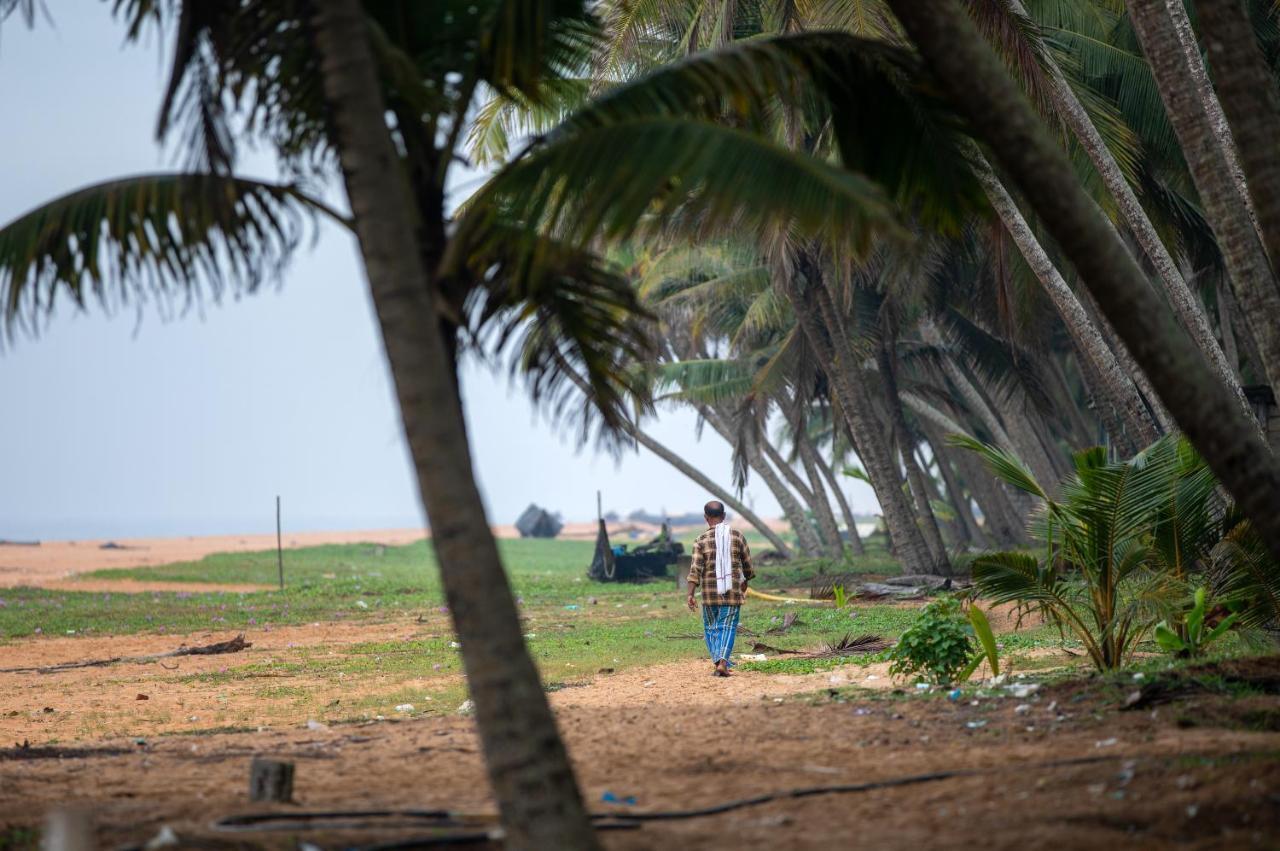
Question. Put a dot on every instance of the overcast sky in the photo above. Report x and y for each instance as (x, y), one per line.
(120, 426)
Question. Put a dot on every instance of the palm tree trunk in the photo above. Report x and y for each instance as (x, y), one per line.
(855, 540)
(1224, 203)
(1247, 93)
(1159, 415)
(841, 365)
(806, 538)
(1229, 347)
(827, 525)
(915, 477)
(1031, 452)
(789, 473)
(976, 81)
(1117, 388)
(532, 779)
(722, 494)
(1185, 304)
(956, 495)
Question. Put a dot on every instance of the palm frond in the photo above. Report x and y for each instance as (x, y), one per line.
(706, 177)
(887, 126)
(1005, 465)
(564, 316)
(156, 237)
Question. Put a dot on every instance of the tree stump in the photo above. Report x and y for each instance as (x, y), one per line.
(270, 780)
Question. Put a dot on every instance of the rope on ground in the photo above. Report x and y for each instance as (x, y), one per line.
(773, 598)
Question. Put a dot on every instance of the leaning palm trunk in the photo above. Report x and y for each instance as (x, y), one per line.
(1030, 451)
(1206, 154)
(956, 495)
(915, 476)
(1117, 388)
(806, 538)
(855, 540)
(723, 494)
(826, 336)
(532, 779)
(1185, 304)
(976, 81)
(827, 524)
(1247, 92)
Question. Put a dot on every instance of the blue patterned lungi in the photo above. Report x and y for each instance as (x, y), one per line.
(720, 627)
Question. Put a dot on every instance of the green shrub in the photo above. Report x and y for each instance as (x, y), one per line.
(936, 646)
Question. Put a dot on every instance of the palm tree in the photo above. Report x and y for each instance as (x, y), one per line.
(528, 765)
(1113, 383)
(1075, 115)
(1247, 90)
(1173, 62)
(158, 235)
(976, 82)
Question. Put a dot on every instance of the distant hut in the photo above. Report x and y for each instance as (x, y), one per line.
(537, 522)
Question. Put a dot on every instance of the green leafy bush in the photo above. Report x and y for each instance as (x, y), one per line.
(936, 646)
(1190, 637)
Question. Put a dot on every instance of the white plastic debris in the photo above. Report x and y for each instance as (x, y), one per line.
(1106, 743)
(362, 604)
(1022, 708)
(318, 726)
(468, 707)
(404, 707)
(1023, 690)
(753, 657)
(455, 645)
(164, 839)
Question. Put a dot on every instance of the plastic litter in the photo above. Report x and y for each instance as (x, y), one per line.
(611, 798)
(164, 839)
(404, 707)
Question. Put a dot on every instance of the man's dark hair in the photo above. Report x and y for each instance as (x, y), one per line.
(713, 509)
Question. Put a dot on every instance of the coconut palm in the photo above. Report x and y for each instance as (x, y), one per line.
(973, 78)
(1100, 577)
(160, 236)
(1170, 47)
(527, 762)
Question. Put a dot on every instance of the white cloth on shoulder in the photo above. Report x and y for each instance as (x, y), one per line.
(724, 558)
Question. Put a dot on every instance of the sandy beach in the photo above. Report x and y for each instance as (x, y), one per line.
(52, 563)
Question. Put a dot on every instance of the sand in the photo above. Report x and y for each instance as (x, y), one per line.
(52, 563)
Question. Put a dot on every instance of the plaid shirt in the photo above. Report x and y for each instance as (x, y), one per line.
(702, 572)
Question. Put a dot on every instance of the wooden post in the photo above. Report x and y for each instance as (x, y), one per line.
(279, 545)
(270, 780)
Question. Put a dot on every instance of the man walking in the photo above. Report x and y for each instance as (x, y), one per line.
(722, 568)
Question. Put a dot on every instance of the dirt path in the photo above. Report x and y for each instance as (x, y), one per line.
(1066, 771)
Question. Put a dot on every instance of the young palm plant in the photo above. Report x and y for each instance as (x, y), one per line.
(1116, 543)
